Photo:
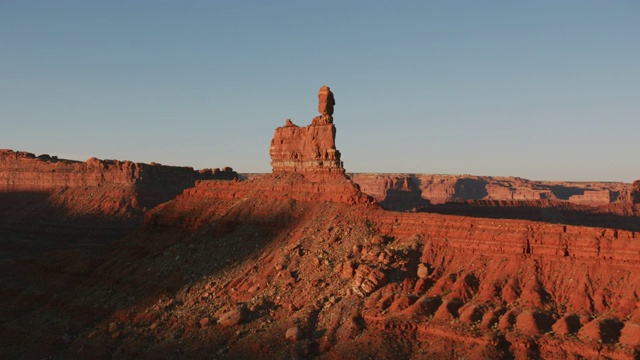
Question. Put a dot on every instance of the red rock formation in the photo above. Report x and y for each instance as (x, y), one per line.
(46, 202)
(188, 208)
(326, 102)
(228, 268)
(308, 150)
(635, 192)
(592, 197)
(22, 171)
(444, 284)
(440, 189)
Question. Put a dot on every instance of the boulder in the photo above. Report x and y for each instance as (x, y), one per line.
(233, 317)
(293, 334)
(368, 280)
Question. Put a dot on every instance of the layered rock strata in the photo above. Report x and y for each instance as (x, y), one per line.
(229, 267)
(48, 203)
(60, 188)
(440, 189)
(23, 171)
(444, 282)
(192, 208)
(601, 204)
(309, 150)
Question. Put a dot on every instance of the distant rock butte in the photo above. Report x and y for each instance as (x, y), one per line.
(308, 150)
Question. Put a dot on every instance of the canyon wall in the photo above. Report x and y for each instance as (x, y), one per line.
(440, 189)
(23, 171)
(47, 202)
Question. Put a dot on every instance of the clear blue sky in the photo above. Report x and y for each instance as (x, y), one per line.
(536, 89)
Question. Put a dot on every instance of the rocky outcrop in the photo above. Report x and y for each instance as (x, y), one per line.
(192, 209)
(306, 169)
(308, 150)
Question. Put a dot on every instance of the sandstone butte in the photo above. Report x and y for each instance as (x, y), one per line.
(308, 150)
(300, 263)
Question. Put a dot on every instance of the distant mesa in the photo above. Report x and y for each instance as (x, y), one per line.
(94, 188)
(310, 150)
(24, 171)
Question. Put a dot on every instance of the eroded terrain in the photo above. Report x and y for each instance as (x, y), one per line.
(108, 259)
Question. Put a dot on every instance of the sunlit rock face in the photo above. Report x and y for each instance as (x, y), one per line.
(309, 150)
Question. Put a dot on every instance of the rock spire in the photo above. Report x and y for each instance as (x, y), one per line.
(309, 150)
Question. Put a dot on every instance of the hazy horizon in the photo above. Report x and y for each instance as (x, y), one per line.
(543, 91)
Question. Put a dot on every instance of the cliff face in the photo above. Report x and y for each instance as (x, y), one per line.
(55, 201)
(22, 171)
(601, 204)
(635, 192)
(441, 189)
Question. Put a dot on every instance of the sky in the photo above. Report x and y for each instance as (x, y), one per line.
(545, 90)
